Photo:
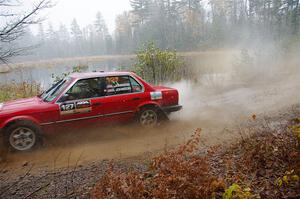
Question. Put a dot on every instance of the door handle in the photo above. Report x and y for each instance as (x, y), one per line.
(136, 98)
(97, 104)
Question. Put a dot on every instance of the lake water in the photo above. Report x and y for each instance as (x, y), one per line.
(42, 73)
(207, 66)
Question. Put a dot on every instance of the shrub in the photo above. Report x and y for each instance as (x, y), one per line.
(235, 191)
(156, 65)
(178, 173)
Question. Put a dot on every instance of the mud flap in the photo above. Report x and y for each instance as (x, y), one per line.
(164, 116)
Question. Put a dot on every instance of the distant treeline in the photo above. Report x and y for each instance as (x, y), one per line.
(173, 24)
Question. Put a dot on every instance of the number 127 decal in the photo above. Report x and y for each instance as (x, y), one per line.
(75, 107)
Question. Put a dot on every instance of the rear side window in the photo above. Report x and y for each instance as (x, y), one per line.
(117, 85)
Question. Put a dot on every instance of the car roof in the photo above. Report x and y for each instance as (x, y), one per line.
(98, 74)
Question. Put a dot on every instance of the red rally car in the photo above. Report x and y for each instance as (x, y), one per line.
(84, 99)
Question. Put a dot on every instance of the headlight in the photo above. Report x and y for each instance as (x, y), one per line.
(1, 105)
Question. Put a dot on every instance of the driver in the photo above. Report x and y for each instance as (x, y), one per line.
(94, 91)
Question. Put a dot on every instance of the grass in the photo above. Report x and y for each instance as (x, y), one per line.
(18, 90)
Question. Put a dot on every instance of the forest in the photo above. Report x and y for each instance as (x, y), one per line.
(181, 25)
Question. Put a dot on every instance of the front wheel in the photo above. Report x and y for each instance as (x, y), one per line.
(148, 117)
(21, 136)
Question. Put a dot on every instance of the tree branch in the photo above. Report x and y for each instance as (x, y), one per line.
(16, 27)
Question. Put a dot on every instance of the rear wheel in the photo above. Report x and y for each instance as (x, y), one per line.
(22, 136)
(148, 117)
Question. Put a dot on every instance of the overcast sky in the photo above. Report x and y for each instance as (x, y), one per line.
(85, 11)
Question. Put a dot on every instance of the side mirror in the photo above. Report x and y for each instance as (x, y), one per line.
(64, 98)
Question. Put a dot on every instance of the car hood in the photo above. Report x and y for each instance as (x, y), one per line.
(19, 104)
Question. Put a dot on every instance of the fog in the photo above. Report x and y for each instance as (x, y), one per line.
(94, 28)
(65, 11)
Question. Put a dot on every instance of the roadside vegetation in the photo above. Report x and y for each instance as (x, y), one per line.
(157, 66)
(264, 163)
(14, 91)
(24, 89)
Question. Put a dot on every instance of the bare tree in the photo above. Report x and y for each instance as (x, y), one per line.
(15, 25)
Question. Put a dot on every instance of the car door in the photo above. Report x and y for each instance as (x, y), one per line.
(123, 95)
(80, 108)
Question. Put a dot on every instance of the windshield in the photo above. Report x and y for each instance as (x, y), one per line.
(55, 90)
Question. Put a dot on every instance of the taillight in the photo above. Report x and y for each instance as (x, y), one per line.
(157, 95)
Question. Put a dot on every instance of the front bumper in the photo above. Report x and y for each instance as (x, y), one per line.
(169, 109)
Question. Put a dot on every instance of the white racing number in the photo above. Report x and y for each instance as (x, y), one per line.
(75, 107)
(67, 107)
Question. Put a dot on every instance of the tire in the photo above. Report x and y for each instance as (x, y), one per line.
(22, 136)
(148, 117)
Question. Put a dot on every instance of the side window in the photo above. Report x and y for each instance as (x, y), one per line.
(118, 85)
(87, 88)
(136, 87)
